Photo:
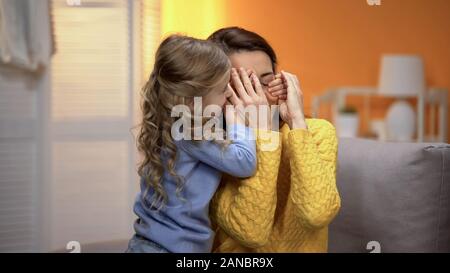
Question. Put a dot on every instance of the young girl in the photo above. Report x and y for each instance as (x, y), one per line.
(179, 178)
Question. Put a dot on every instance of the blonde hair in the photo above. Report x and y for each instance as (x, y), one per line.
(184, 68)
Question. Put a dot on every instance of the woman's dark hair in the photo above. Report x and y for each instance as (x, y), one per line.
(235, 39)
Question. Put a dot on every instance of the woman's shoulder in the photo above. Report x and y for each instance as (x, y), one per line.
(315, 124)
(323, 133)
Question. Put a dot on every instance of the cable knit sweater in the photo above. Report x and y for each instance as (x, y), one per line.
(287, 205)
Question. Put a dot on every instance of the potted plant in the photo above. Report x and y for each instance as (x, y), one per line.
(347, 122)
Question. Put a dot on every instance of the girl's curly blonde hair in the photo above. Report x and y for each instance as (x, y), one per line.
(184, 68)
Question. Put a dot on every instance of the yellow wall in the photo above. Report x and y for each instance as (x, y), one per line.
(197, 18)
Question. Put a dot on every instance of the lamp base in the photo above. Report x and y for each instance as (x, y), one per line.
(401, 122)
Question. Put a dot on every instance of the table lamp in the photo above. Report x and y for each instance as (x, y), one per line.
(401, 77)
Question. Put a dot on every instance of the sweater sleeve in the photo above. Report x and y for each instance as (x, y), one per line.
(245, 208)
(313, 156)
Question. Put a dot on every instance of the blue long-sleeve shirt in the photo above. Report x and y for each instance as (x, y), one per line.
(184, 226)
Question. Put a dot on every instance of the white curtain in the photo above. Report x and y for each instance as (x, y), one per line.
(26, 39)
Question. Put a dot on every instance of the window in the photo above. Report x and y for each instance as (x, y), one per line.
(67, 155)
(96, 79)
(19, 150)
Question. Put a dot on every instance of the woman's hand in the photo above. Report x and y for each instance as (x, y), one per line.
(277, 88)
(291, 110)
(249, 92)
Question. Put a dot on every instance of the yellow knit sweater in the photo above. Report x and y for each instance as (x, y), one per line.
(287, 205)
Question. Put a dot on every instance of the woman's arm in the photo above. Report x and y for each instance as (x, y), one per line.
(312, 147)
(313, 155)
(245, 208)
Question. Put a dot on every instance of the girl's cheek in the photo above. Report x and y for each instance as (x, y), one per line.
(224, 101)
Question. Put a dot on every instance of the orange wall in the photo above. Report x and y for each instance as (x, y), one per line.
(332, 43)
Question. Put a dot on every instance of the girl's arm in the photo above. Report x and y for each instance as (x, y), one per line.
(245, 208)
(313, 155)
(237, 159)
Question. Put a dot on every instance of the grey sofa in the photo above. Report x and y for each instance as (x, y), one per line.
(395, 198)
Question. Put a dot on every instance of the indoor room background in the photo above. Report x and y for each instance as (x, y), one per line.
(67, 151)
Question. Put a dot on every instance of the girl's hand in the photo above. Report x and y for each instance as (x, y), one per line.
(231, 113)
(291, 110)
(277, 88)
(250, 92)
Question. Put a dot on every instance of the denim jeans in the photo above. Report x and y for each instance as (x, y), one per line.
(139, 244)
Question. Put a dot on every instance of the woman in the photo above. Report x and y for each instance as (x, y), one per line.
(287, 205)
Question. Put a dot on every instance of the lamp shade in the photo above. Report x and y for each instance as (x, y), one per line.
(401, 76)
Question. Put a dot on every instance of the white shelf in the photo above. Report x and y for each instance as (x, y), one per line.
(433, 97)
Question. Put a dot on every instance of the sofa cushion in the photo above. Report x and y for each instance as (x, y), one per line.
(396, 194)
